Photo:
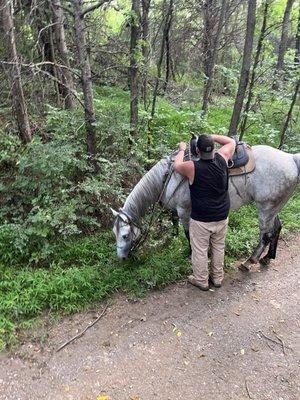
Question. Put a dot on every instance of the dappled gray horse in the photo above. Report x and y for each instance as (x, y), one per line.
(269, 186)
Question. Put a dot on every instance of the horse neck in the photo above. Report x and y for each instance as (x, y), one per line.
(147, 191)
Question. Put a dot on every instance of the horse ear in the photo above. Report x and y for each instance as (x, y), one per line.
(115, 213)
(123, 218)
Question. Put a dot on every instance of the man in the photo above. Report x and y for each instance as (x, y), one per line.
(208, 179)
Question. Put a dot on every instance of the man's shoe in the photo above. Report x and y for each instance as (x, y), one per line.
(195, 282)
(215, 284)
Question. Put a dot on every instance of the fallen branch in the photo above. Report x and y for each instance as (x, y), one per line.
(83, 332)
(247, 389)
(285, 242)
(280, 343)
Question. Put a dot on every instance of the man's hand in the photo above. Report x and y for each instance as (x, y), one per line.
(182, 146)
(185, 168)
(228, 146)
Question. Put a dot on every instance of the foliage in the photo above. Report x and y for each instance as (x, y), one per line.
(47, 189)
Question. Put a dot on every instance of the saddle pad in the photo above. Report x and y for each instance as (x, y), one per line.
(246, 169)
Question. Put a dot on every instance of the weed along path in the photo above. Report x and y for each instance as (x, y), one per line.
(238, 342)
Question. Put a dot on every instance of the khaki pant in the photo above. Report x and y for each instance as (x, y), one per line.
(203, 234)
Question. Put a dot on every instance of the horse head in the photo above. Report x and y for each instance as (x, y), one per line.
(126, 232)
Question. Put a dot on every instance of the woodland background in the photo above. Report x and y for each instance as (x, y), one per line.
(93, 93)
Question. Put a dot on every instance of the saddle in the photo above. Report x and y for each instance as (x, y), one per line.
(242, 161)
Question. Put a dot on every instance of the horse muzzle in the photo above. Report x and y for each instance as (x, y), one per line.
(123, 254)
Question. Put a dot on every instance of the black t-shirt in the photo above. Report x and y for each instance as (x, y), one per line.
(209, 191)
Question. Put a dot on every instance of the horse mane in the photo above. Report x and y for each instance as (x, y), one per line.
(147, 191)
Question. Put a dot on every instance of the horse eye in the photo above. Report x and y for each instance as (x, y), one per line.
(125, 236)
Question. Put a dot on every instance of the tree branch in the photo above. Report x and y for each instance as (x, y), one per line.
(94, 7)
(67, 10)
(36, 67)
(40, 64)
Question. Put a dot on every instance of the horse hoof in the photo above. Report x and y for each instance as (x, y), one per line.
(245, 266)
(265, 261)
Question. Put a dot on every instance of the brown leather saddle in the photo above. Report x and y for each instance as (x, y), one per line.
(242, 162)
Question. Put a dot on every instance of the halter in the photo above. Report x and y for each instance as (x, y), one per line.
(129, 221)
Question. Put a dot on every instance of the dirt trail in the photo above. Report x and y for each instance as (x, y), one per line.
(238, 342)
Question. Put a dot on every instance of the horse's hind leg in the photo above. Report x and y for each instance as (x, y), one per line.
(274, 242)
(267, 217)
(259, 249)
(187, 235)
(271, 255)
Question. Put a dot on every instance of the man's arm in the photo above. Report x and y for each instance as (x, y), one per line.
(228, 146)
(185, 168)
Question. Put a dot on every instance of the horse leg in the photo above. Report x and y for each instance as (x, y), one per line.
(271, 255)
(187, 235)
(259, 249)
(266, 223)
(184, 216)
(175, 223)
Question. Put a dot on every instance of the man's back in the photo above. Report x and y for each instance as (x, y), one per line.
(209, 190)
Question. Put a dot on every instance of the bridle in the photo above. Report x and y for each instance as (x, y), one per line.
(128, 220)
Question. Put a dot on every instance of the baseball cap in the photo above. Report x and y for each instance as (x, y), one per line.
(206, 145)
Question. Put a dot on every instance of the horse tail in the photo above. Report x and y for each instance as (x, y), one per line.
(297, 161)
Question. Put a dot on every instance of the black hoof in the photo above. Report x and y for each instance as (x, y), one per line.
(265, 261)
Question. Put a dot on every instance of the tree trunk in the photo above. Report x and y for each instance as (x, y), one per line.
(297, 46)
(86, 80)
(41, 22)
(211, 43)
(289, 115)
(46, 24)
(161, 56)
(168, 49)
(55, 71)
(283, 40)
(67, 88)
(19, 105)
(145, 49)
(133, 70)
(255, 64)
(244, 77)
